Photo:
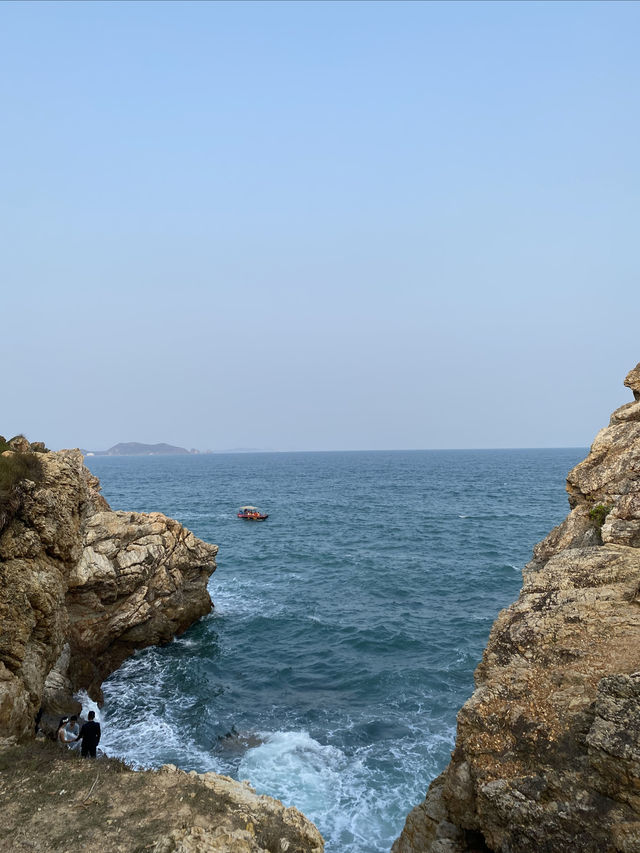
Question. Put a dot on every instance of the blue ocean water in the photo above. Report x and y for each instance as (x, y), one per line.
(346, 627)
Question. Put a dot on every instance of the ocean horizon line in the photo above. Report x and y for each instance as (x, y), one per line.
(258, 451)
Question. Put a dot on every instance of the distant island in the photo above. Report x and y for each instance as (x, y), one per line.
(134, 448)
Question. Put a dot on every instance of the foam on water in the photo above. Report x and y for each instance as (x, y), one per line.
(88, 704)
(144, 715)
(295, 767)
(346, 628)
(345, 794)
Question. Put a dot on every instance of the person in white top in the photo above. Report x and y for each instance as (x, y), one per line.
(69, 734)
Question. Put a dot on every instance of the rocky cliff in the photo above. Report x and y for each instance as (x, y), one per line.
(82, 587)
(547, 754)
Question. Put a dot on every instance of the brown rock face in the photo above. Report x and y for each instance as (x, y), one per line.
(547, 755)
(81, 587)
(632, 381)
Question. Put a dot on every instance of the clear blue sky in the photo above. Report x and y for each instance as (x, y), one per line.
(318, 225)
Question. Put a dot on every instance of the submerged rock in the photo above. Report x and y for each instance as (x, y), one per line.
(547, 754)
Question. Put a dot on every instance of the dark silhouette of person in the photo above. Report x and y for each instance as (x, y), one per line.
(90, 736)
(38, 718)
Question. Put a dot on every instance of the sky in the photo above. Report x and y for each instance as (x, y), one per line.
(318, 226)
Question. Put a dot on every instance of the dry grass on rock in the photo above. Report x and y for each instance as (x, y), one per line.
(51, 799)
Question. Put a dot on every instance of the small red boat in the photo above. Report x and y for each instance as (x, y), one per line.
(251, 513)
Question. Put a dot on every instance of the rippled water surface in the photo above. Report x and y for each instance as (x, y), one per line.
(346, 627)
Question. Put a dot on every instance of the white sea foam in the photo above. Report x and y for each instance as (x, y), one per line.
(347, 795)
(238, 596)
(88, 704)
(234, 597)
(295, 768)
(140, 722)
(186, 642)
(296, 764)
(153, 739)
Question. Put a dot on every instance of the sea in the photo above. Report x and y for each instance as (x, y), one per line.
(346, 627)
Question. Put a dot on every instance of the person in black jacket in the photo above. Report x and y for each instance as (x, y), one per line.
(90, 736)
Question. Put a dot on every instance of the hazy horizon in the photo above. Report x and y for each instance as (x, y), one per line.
(212, 451)
(318, 226)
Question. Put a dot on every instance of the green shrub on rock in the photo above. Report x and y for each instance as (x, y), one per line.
(599, 512)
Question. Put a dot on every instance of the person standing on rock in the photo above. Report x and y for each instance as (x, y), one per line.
(90, 736)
